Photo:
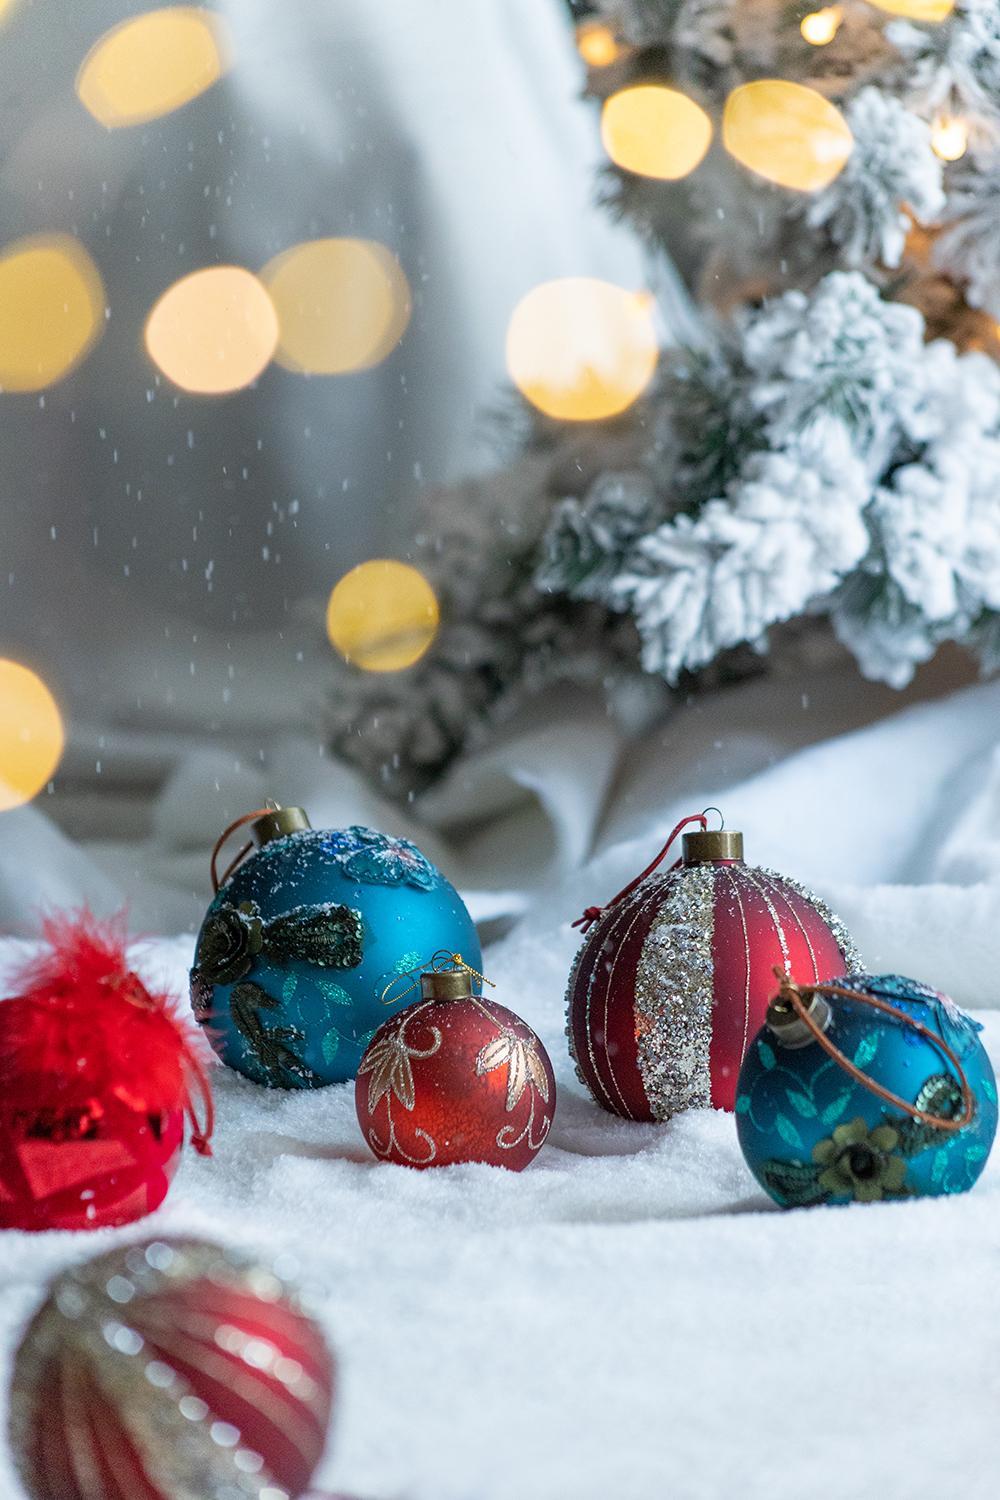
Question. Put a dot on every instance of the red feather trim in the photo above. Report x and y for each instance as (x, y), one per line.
(83, 1026)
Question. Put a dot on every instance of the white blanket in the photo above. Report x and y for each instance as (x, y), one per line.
(630, 1317)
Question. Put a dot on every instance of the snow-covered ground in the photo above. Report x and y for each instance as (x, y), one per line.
(630, 1317)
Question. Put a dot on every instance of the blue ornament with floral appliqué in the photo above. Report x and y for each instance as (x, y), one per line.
(812, 1133)
(299, 956)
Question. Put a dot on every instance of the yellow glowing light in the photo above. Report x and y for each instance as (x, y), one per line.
(6, 6)
(342, 305)
(655, 131)
(787, 133)
(382, 616)
(31, 735)
(580, 349)
(51, 310)
(213, 331)
(949, 137)
(917, 10)
(596, 44)
(152, 64)
(821, 26)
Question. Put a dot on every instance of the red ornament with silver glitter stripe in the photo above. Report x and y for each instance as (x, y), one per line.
(676, 973)
(170, 1369)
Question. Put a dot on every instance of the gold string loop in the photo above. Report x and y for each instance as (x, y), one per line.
(437, 963)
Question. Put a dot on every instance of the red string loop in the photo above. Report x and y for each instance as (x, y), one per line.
(593, 913)
(217, 879)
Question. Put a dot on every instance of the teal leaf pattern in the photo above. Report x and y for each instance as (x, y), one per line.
(837, 1108)
(333, 993)
(788, 1132)
(766, 1055)
(866, 1049)
(802, 1105)
(743, 1104)
(331, 1045)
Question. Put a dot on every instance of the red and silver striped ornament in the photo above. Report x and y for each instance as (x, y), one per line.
(675, 976)
(170, 1370)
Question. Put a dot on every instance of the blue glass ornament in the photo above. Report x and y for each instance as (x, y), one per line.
(303, 939)
(811, 1133)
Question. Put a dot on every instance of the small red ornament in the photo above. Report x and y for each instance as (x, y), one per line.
(169, 1369)
(455, 1078)
(676, 972)
(96, 1074)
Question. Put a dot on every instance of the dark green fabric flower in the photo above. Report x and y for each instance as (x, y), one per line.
(860, 1163)
(230, 941)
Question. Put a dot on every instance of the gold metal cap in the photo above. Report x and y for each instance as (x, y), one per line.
(703, 847)
(446, 984)
(274, 825)
(788, 1027)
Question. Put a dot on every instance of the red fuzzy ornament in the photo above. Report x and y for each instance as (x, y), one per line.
(677, 971)
(455, 1078)
(96, 1074)
(166, 1370)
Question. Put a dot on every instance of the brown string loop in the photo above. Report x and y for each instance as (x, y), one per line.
(793, 994)
(220, 880)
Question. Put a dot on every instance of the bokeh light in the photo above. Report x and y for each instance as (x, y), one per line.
(580, 349)
(6, 6)
(596, 44)
(821, 26)
(950, 137)
(382, 616)
(152, 64)
(343, 305)
(31, 735)
(917, 10)
(655, 131)
(214, 331)
(787, 133)
(51, 310)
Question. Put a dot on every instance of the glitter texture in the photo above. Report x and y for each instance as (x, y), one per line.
(841, 936)
(113, 1326)
(673, 995)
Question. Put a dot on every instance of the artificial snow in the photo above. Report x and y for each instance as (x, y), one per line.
(631, 1318)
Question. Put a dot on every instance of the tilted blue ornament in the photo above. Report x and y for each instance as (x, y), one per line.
(297, 949)
(811, 1133)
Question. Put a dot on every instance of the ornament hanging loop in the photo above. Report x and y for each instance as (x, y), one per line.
(593, 914)
(250, 817)
(797, 997)
(438, 963)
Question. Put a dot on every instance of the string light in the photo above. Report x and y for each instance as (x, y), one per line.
(152, 64)
(596, 44)
(51, 310)
(821, 26)
(31, 735)
(580, 349)
(214, 331)
(949, 137)
(382, 616)
(787, 133)
(655, 131)
(342, 305)
(917, 10)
